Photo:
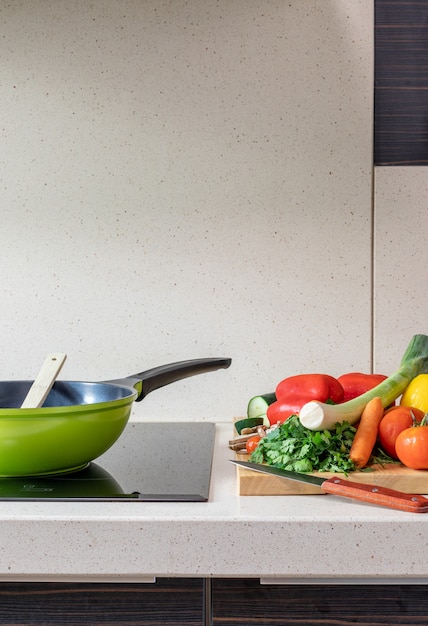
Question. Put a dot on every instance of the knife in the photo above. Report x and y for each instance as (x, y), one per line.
(373, 494)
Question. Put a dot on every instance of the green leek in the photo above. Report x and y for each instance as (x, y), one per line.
(319, 416)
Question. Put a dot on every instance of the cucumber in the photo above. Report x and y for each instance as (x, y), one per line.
(248, 422)
(258, 405)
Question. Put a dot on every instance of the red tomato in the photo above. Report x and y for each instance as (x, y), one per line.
(252, 443)
(412, 447)
(395, 420)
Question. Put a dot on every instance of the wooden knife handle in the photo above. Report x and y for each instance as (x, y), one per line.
(376, 495)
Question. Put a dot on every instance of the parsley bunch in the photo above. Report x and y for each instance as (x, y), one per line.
(293, 447)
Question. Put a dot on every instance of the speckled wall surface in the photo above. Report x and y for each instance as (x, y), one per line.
(187, 179)
(401, 260)
(401, 178)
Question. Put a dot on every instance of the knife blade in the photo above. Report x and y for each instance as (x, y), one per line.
(373, 494)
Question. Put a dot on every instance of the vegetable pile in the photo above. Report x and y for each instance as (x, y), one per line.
(314, 422)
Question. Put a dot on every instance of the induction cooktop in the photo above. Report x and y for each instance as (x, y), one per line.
(150, 462)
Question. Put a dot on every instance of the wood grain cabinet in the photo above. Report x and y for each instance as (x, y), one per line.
(401, 83)
(245, 602)
(233, 602)
(167, 602)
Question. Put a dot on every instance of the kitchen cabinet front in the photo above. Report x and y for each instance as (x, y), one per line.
(233, 602)
(243, 602)
(166, 602)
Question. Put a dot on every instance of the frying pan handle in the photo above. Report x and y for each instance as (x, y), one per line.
(157, 377)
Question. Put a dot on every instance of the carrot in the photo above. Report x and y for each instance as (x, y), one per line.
(366, 435)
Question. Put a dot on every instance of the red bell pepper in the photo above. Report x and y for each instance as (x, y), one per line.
(293, 392)
(355, 384)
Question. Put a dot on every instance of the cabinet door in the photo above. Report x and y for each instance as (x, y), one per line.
(244, 602)
(401, 81)
(167, 602)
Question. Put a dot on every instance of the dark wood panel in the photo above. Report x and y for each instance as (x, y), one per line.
(401, 82)
(235, 602)
(168, 602)
(245, 602)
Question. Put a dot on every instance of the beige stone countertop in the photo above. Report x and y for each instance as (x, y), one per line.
(290, 539)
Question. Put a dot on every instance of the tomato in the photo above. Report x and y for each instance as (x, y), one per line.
(412, 447)
(395, 420)
(252, 443)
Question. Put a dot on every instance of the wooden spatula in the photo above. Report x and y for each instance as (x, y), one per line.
(44, 381)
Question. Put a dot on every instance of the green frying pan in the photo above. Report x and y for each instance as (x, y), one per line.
(78, 421)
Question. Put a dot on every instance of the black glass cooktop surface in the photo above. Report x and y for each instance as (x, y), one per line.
(150, 462)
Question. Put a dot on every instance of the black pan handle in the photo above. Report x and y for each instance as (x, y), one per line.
(157, 377)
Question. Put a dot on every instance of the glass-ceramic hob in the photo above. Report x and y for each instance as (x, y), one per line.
(150, 462)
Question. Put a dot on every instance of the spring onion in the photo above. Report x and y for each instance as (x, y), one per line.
(319, 416)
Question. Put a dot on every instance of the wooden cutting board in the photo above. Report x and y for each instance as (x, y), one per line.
(393, 475)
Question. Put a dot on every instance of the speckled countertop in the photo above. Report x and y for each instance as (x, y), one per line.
(288, 538)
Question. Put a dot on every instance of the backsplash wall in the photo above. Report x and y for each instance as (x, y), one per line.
(188, 179)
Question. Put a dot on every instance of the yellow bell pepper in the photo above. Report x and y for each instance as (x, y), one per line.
(416, 393)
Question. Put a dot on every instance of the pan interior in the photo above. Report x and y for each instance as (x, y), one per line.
(64, 393)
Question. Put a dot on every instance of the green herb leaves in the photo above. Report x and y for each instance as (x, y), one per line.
(293, 447)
